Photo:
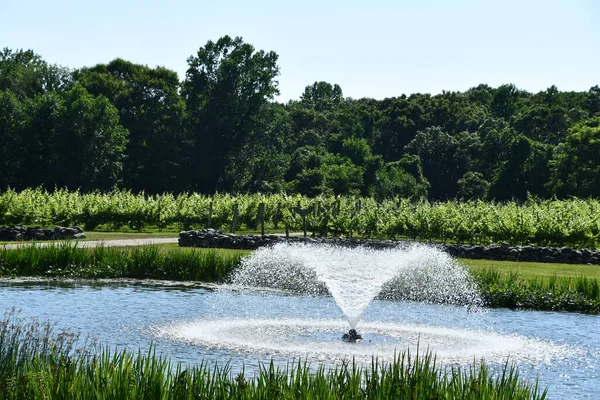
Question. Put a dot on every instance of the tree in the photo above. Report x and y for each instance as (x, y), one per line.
(152, 110)
(26, 74)
(87, 145)
(396, 127)
(496, 137)
(472, 185)
(575, 169)
(304, 174)
(322, 96)
(226, 85)
(12, 116)
(537, 169)
(505, 101)
(545, 117)
(395, 181)
(341, 176)
(593, 102)
(267, 154)
(469, 153)
(437, 149)
(358, 151)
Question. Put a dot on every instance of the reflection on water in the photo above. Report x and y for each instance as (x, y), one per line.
(219, 324)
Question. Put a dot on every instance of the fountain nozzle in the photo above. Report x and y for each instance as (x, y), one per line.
(352, 336)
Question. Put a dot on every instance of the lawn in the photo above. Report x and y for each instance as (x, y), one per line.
(534, 270)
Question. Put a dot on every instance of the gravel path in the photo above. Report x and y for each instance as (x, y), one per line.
(97, 243)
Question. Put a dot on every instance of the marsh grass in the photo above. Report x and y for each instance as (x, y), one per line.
(499, 288)
(67, 260)
(37, 363)
(554, 293)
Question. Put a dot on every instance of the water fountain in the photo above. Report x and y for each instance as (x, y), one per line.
(313, 273)
(355, 276)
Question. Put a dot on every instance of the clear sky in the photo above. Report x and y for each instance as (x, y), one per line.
(376, 48)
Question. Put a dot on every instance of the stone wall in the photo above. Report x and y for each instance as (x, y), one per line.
(19, 233)
(212, 238)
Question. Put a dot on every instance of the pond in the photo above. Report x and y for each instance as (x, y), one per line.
(223, 324)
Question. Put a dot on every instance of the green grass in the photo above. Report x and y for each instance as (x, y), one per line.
(67, 260)
(35, 363)
(538, 286)
(99, 235)
(531, 270)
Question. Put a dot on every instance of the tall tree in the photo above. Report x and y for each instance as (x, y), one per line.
(88, 143)
(575, 168)
(396, 126)
(152, 110)
(12, 118)
(437, 150)
(525, 171)
(544, 117)
(593, 102)
(505, 101)
(26, 74)
(496, 137)
(262, 165)
(226, 85)
(322, 96)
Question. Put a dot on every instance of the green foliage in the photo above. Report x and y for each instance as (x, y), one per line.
(341, 177)
(87, 148)
(26, 74)
(580, 294)
(36, 363)
(127, 125)
(573, 222)
(322, 96)
(226, 85)
(525, 172)
(576, 170)
(393, 181)
(436, 150)
(473, 186)
(152, 110)
(144, 262)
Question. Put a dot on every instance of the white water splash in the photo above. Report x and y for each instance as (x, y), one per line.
(354, 276)
(317, 339)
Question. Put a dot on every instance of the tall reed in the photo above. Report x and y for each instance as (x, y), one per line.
(69, 260)
(35, 363)
(555, 293)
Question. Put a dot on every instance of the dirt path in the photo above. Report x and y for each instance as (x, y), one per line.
(97, 243)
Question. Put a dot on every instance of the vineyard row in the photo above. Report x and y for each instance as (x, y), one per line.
(573, 222)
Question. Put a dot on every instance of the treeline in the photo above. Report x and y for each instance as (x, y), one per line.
(131, 126)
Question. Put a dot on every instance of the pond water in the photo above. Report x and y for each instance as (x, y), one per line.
(223, 324)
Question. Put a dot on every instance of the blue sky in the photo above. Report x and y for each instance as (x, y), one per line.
(374, 48)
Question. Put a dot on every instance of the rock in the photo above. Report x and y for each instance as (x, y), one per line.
(18, 233)
(69, 231)
(217, 238)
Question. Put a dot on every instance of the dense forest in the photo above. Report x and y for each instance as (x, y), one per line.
(220, 130)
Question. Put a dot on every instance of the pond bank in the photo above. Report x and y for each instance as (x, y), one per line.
(210, 238)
